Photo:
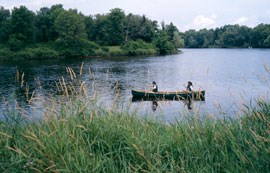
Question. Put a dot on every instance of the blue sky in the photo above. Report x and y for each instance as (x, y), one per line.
(185, 14)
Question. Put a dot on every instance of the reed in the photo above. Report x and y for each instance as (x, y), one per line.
(77, 135)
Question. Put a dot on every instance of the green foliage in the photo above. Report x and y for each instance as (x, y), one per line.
(70, 25)
(107, 29)
(37, 53)
(72, 41)
(140, 27)
(229, 36)
(4, 24)
(163, 44)
(174, 35)
(6, 54)
(139, 47)
(115, 27)
(41, 52)
(22, 27)
(177, 40)
(44, 23)
(102, 51)
(201, 39)
(234, 36)
(70, 32)
(16, 42)
(4, 15)
(76, 35)
(90, 27)
(266, 42)
(78, 136)
(117, 51)
(97, 32)
(259, 36)
(75, 48)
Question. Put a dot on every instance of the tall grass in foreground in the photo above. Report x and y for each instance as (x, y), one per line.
(76, 135)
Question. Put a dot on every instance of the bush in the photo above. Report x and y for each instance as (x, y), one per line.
(105, 49)
(76, 48)
(139, 47)
(6, 54)
(37, 53)
(118, 52)
(16, 42)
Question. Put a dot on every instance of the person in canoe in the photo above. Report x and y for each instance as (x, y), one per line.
(189, 86)
(154, 87)
(189, 89)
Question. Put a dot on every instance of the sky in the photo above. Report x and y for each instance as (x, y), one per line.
(184, 14)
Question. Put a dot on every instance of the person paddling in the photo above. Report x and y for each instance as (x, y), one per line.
(189, 86)
(154, 87)
(189, 96)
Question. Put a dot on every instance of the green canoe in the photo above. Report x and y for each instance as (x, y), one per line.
(170, 95)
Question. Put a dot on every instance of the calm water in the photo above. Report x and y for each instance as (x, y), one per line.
(231, 77)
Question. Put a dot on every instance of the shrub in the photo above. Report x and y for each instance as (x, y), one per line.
(16, 42)
(139, 47)
(76, 48)
(6, 54)
(37, 53)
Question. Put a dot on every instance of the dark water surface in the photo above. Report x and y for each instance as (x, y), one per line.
(231, 77)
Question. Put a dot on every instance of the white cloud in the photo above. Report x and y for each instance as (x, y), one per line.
(213, 16)
(202, 21)
(241, 20)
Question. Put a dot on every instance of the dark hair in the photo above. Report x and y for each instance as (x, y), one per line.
(190, 83)
(153, 82)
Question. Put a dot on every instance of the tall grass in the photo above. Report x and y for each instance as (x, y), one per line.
(77, 135)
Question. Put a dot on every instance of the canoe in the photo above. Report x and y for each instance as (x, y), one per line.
(170, 95)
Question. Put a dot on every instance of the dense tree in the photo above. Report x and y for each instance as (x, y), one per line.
(106, 29)
(267, 42)
(72, 40)
(21, 28)
(132, 27)
(174, 35)
(115, 27)
(140, 27)
(191, 39)
(163, 44)
(147, 29)
(69, 33)
(208, 37)
(234, 36)
(45, 23)
(226, 36)
(260, 36)
(90, 27)
(170, 29)
(4, 24)
(4, 15)
(99, 29)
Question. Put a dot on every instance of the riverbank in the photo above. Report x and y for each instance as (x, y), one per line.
(45, 52)
(77, 135)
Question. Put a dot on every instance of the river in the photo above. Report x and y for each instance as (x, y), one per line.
(232, 78)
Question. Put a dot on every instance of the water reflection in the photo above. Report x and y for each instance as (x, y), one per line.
(188, 103)
(154, 105)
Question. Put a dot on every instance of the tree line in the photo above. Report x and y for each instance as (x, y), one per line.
(56, 32)
(229, 36)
